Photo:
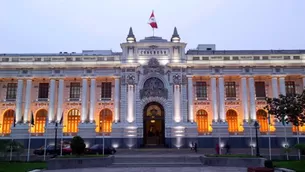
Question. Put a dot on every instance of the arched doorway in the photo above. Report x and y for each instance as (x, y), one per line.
(40, 120)
(8, 120)
(105, 124)
(262, 120)
(73, 121)
(154, 124)
(202, 121)
(232, 120)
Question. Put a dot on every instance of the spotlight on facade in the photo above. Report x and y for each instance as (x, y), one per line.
(87, 144)
(115, 145)
(285, 145)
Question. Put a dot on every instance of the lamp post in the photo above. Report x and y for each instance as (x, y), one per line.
(256, 125)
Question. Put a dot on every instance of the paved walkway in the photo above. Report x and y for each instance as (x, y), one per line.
(157, 169)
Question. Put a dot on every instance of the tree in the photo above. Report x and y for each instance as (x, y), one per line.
(288, 109)
(78, 145)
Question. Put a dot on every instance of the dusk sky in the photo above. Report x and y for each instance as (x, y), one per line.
(51, 26)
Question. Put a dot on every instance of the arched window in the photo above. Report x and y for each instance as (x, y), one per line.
(232, 120)
(105, 121)
(40, 121)
(73, 121)
(202, 121)
(8, 120)
(262, 120)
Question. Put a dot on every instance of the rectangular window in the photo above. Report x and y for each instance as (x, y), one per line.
(75, 90)
(43, 91)
(260, 89)
(201, 90)
(290, 88)
(106, 90)
(230, 89)
(11, 91)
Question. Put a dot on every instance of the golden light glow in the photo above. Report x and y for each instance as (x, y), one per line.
(105, 122)
(262, 119)
(232, 119)
(202, 121)
(8, 120)
(40, 121)
(73, 121)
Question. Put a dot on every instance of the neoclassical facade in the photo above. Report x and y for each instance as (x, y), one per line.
(153, 93)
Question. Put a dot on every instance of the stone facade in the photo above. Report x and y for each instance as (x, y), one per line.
(150, 70)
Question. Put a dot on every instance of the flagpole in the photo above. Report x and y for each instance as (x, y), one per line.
(61, 140)
(298, 142)
(153, 32)
(11, 151)
(269, 139)
(29, 144)
(286, 143)
(251, 139)
(45, 143)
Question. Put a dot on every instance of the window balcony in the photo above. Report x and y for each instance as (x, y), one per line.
(105, 99)
(201, 98)
(73, 99)
(231, 98)
(42, 100)
(10, 100)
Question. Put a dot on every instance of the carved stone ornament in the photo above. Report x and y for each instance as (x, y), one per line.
(130, 80)
(153, 66)
(153, 87)
(184, 79)
(177, 79)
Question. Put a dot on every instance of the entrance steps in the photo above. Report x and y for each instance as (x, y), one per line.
(156, 161)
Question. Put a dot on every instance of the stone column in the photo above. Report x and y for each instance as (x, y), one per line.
(84, 100)
(19, 100)
(60, 100)
(92, 99)
(221, 85)
(27, 99)
(190, 98)
(51, 100)
(116, 99)
(282, 85)
(252, 98)
(177, 115)
(275, 91)
(245, 97)
(130, 103)
(214, 98)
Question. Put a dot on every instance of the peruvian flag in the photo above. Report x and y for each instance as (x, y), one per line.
(152, 21)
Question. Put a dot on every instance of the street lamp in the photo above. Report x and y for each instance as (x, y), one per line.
(256, 125)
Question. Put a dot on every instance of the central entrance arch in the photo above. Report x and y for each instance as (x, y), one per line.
(153, 124)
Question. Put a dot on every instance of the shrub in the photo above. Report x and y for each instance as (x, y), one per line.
(300, 147)
(78, 145)
(268, 164)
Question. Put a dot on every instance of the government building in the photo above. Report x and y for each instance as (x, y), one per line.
(154, 93)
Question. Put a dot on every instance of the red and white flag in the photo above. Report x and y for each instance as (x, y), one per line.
(152, 21)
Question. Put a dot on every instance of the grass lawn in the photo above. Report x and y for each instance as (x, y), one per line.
(232, 155)
(298, 166)
(21, 166)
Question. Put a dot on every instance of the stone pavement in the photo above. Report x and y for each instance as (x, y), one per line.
(157, 169)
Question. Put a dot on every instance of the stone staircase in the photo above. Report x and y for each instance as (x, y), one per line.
(156, 161)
